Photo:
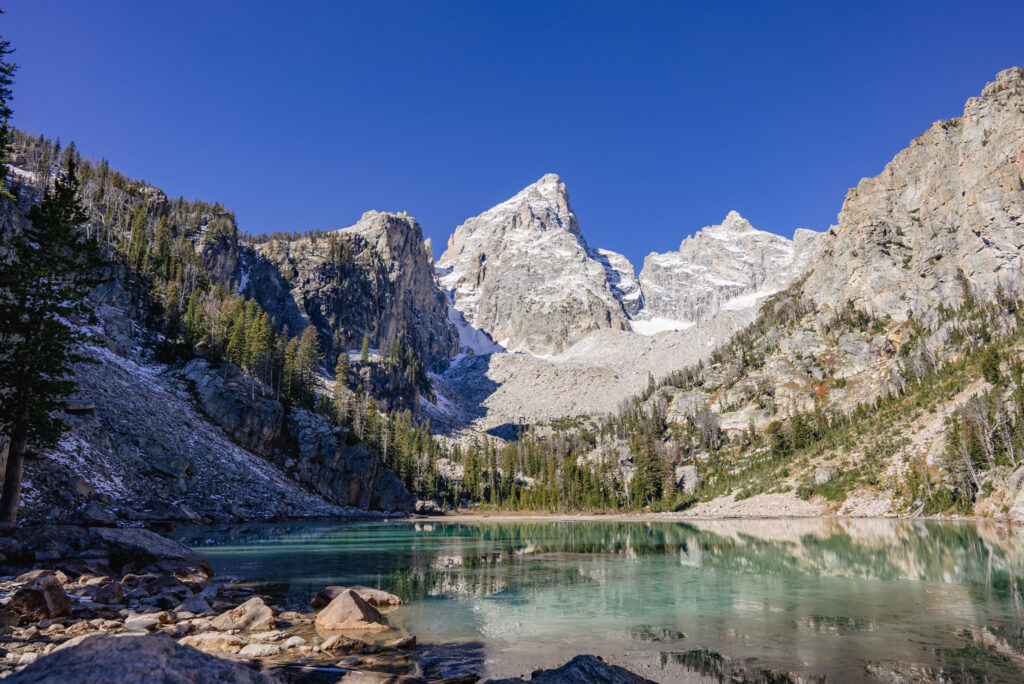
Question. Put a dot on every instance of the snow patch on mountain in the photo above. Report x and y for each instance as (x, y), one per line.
(653, 326)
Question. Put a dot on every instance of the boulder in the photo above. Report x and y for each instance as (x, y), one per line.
(214, 641)
(134, 659)
(196, 605)
(260, 650)
(687, 478)
(427, 507)
(142, 547)
(79, 487)
(252, 616)
(109, 593)
(583, 669)
(42, 597)
(375, 597)
(347, 611)
(93, 514)
(341, 643)
(141, 623)
(824, 475)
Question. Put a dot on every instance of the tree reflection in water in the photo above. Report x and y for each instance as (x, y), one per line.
(842, 597)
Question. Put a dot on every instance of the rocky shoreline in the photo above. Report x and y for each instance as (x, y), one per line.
(99, 604)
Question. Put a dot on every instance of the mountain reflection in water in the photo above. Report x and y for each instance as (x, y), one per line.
(850, 599)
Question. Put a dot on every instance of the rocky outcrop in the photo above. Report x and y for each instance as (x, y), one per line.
(314, 452)
(74, 550)
(344, 473)
(237, 403)
(220, 257)
(522, 273)
(944, 217)
(262, 280)
(727, 266)
(374, 278)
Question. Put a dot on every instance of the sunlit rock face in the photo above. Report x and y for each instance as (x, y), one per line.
(523, 273)
(727, 266)
(944, 216)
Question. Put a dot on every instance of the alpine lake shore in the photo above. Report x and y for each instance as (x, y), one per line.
(128, 604)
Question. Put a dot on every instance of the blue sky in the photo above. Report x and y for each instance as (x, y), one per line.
(660, 117)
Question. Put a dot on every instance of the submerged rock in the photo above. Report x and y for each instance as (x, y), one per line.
(583, 669)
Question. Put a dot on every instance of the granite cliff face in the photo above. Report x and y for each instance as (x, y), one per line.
(944, 215)
(523, 273)
(373, 278)
(727, 266)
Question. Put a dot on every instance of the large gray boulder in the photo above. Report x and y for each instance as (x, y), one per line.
(375, 597)
(134, 659)
(349, 612)
(687, 478)
(252, 616)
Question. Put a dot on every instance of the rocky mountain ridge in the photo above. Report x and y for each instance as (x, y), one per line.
(727, 266)
(868, 386)
(523, 274)
(942, 218)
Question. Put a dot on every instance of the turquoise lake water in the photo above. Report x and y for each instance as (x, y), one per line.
(853, 600)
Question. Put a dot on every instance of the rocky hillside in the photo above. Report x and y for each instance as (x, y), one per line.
(944, 216)
(887, 380)
(150, 441)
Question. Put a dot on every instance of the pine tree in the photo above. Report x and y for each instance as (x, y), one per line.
(195, 328)
(7, 69)
(290, 371)
(45, 281)
(309, 360)
(340, 385)
(364, 351)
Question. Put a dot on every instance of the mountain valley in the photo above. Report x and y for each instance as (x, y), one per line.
(522, 333)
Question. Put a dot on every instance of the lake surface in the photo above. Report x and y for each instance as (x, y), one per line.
(853, 600)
